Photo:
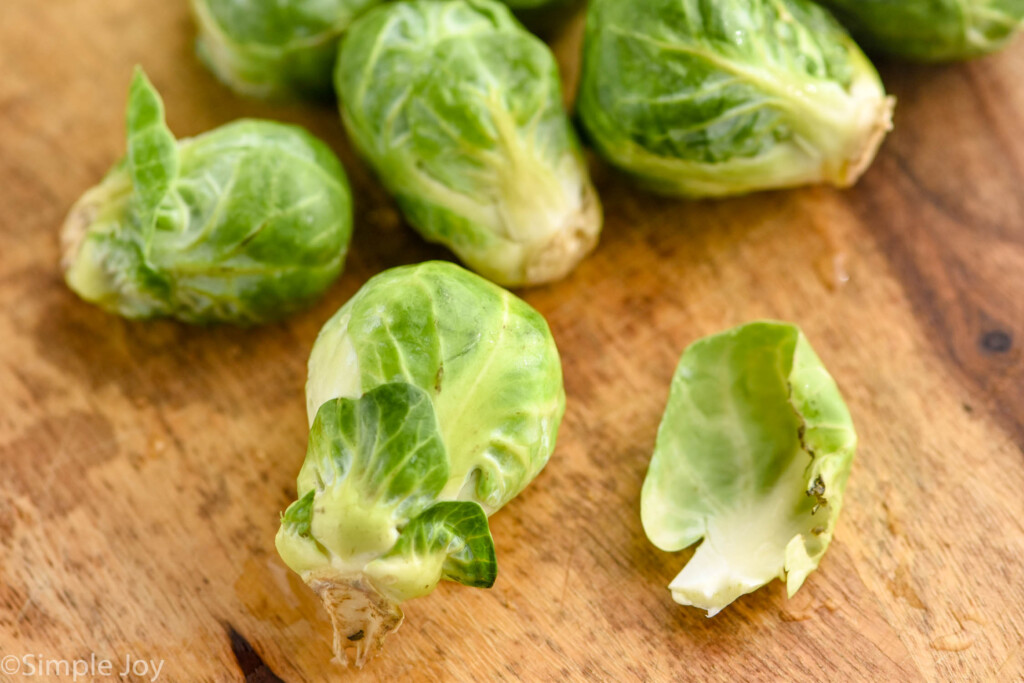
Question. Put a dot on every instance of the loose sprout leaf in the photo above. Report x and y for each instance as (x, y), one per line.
(387, 443)
(931, 30)
(448, 540)
(459, 111)
(720, 97)
(152, 149)
(752, 456)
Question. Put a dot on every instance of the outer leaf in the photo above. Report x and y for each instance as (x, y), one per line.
(295, 540)
(752, 455)
(719, 97)
(485, 361)
(374, 463)
(269, 48)
(449, 540)
(152, 149)
(931, 30)
(459, 110)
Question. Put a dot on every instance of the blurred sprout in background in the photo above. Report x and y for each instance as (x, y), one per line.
(434, 398)
(274, 48)
(931, 30)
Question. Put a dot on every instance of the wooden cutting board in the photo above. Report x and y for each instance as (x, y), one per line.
(143, 465)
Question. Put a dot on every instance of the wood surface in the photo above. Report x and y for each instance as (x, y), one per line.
(143, 465)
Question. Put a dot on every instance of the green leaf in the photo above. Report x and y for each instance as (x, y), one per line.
(295, 542)
(720, 97)
(448, 540)
(297, 518)
(752, 455)
(373, 462)
(152, 150)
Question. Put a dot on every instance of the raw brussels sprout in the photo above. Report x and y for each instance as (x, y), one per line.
(242, 224)
(459, 110)
(722, 97)
(274, 48)
(434, 398)
(931, 30)
(752, 456)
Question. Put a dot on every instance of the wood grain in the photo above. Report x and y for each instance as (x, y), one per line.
(143, 466)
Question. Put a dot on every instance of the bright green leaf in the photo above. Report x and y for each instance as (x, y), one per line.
(450, 539)
(152, 149)
(752, 456)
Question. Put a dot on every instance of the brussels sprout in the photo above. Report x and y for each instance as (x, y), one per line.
(752, 455)
(434, 397)
(459, 110)
(722, 97)
(931, 30)
(274, 48)
(242, 224)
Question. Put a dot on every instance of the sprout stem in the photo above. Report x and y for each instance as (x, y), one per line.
(362, 617)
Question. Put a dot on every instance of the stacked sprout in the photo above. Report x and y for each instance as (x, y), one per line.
(434, 398)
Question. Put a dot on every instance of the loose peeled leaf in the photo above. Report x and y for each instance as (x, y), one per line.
(274, 49)
(752, 456)
(931, 30)
(459, 110)
(435, 397)
(243, 224)
(724, 97)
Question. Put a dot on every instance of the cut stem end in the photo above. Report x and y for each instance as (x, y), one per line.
(362, 617)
